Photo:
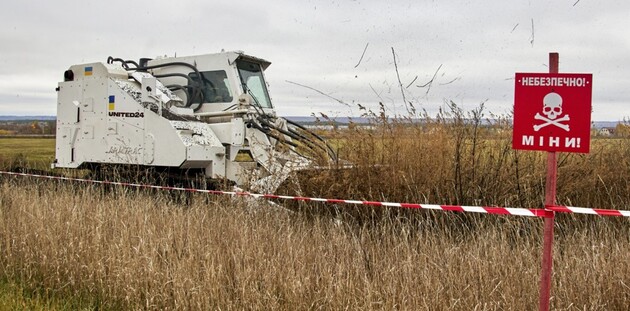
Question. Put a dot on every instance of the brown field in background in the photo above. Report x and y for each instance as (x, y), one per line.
(120, 248)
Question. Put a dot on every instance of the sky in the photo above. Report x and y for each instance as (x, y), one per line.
(331, 57)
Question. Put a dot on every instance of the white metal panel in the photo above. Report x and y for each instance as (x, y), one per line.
(149, 148)
(223, 131)
(121, 119)
(87, 132)
(87, 105)
(91, 124)
(169, 150)
(149, 85)
(67, 111)
(238, 131)
(112, 128)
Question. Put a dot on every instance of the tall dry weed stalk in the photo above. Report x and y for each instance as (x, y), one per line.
(465, 158)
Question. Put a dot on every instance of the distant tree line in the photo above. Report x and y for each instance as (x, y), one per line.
(27, 127)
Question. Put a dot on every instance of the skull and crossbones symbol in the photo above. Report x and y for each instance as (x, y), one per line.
(552, 109)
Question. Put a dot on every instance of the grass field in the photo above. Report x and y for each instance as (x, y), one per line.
(118, 248)
(69, 246)
(14, 296)
(39, 153)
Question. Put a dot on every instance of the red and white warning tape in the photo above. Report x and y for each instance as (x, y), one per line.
(591, 211)
(548, 212)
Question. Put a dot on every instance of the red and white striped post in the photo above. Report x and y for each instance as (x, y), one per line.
(550, 200)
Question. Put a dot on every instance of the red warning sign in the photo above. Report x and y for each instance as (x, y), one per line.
(552, 112)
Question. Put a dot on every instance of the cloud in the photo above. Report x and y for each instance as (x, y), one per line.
(480, 45)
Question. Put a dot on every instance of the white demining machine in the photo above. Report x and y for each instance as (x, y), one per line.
(209, 113)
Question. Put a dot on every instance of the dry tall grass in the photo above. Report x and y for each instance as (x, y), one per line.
(466, 158)
(139, 250)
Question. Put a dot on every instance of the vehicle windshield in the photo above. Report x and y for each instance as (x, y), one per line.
(253, 82)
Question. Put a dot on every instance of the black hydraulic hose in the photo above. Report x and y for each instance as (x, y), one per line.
(313, 143)
(293, 149)
(322, 144)
(190, 80)
(265, 119)
(230, 108)
(176, 87)
(189, 99)
(310, 144)
(268, 133)
(185, 88)
(330, 150)
(111, 60)
(314, 148)
(306, 140)
(307, 130)
(193, 67)
(197, 93)
(290, 134)
(310, 147)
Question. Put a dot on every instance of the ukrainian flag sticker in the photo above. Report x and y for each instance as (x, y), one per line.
(112, 102)
(88, 71)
